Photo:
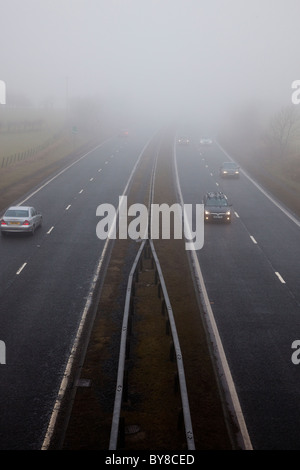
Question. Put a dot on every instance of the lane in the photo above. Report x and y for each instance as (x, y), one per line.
(41, 307)
(243, 265)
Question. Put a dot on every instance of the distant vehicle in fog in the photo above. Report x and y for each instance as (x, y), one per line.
(230, 169)
(205, 141)
(124, 133)
(183, 140)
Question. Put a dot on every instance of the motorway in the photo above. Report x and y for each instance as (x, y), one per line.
(251, 270)
(45, 284)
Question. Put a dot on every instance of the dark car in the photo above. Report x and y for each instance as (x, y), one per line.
(216, 207)
(183, 140)
(229, 169)
(124, 133)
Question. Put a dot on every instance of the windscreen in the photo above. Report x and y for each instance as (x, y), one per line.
(17, 213)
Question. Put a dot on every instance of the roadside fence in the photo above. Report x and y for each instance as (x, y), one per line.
(17, 157)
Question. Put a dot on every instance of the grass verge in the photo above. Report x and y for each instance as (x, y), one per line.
(19, 178)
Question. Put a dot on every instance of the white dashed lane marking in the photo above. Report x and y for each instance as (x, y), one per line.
(280, 277)
(21, 268)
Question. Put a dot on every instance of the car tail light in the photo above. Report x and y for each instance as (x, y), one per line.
(26, 222)
(3, 222)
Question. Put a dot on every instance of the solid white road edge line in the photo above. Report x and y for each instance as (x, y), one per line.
(61, 172)
(21, 268)
(280, 277)
(67, 373)
(285, 211)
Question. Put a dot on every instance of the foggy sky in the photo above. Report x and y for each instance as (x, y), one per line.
(165, 56)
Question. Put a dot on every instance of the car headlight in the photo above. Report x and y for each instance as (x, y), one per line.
(207, 212)
(228, 213)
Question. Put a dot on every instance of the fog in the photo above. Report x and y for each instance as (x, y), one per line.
(163, 58)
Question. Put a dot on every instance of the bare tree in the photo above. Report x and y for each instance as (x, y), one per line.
(284, 127)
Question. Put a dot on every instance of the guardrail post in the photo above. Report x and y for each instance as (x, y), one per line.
(121, 433)
(127, 348)
(159, 290)
(167, 327)
(163, 306)
(131, 305)
(147, 251)
(176, 382)
(129, 326)
(172, 352)
(152, 260)
(125, 387)
(180, 419)
(155, 276)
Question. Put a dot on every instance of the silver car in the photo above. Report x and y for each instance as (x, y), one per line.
(20, 219)
(205, 141)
